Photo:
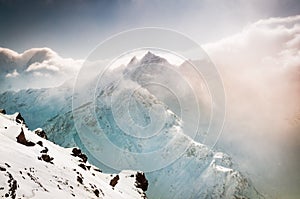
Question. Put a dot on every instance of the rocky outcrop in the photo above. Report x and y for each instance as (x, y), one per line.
(60, 173)
(40, 132)
(114, 181)
(22, 140)
(20, 119)
(141, 181)
(77, 153)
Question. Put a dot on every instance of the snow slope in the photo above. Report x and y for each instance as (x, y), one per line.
(189, 169)
(37, 105)
(197, 172)
(30, 171)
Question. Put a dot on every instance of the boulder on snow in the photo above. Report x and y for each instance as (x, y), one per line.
(2, 111)
(114, 181)
(46, 158)
(19, 119)
(40, 132)
(77, 153)
(22, 139)
(141, 181)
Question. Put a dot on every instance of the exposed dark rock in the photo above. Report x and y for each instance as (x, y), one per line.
(41, 133)
(114, 181)
(40, 143)
(83, 157)
(141, 181)
(2, 111)
(96, 192)
(35, 180)
(82, 166)
(22, 140)
(2, 169)
(96, 169)
(47, 158)
(79, 179)
(12, 186)
(45, 150)
(20, 119)
(77, 153)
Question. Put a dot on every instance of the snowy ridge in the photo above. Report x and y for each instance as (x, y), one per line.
(197, 173)
(33, 167)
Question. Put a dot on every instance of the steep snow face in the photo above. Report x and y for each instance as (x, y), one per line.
(197, 173)
(125, 119)
(32, 167)
(187, 169)
(38, 105)
(185, 94)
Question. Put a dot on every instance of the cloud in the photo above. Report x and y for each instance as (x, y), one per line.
(13, 74)
(260, 67)
(34, 68)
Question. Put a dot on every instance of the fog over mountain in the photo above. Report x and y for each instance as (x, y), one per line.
(260, 69)
(172, 160)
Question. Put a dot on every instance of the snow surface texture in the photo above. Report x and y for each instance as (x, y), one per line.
(198, 173)
(30, 172)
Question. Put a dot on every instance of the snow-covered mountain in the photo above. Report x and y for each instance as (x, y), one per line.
(33, 167)
(188, 169)
(36, 105)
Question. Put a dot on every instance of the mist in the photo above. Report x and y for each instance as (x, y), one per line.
(260, 67)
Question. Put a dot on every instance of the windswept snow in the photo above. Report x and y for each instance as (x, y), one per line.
(30, 171)
(188, 169)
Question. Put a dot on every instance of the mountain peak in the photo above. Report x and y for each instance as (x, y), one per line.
(149, 53)
(133, 61)
(149, 57)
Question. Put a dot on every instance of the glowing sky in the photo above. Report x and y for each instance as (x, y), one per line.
(255, 44)
(73, 28)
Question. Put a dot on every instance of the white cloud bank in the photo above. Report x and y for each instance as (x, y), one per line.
(34, 68)
(260, 67)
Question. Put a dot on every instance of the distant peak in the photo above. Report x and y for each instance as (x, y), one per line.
(152, 58)
(149, 54)
(133, 61)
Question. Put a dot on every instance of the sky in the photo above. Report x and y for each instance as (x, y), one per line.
(74, 28)
(255, 45)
